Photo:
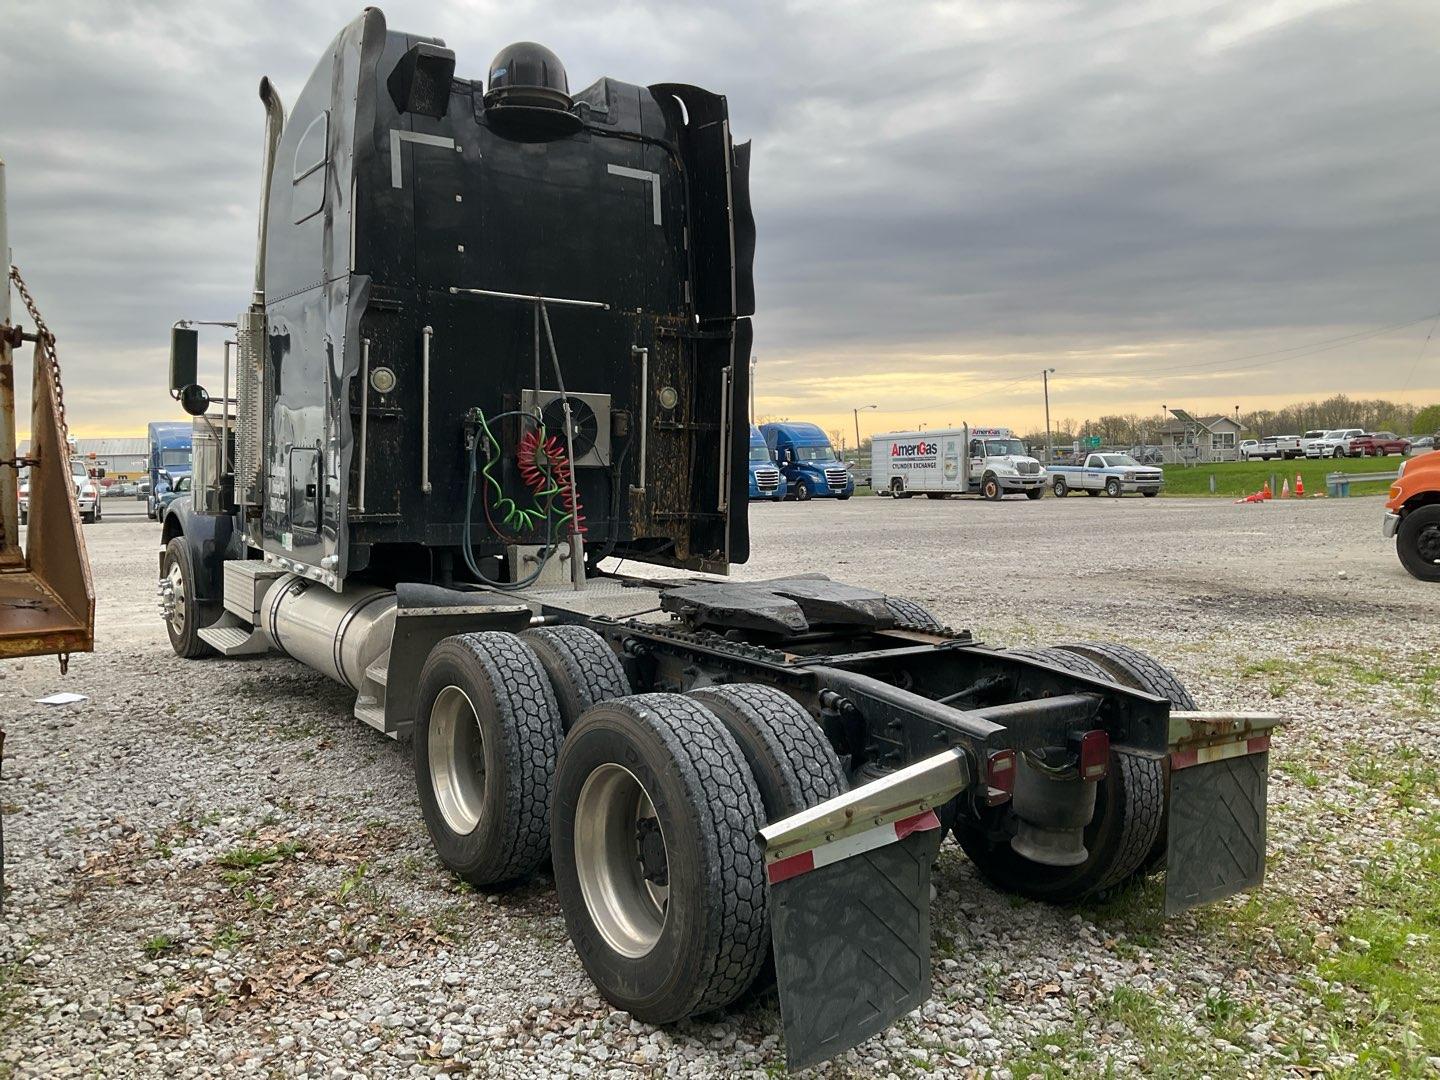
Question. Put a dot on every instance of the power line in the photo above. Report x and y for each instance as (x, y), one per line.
(1421, 355)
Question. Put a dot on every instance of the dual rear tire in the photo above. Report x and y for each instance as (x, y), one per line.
(1126, 837)
(649, 806)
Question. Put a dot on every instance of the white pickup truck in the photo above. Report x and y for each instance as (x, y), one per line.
(1333, 444)
(1114, 474)
(1273, 446)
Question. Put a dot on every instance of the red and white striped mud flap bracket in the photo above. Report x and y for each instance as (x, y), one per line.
(1219, 781)
(850, 906)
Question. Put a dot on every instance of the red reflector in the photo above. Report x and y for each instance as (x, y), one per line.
(1094, 755)
(1000, 773)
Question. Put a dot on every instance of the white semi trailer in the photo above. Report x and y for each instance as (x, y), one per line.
(986, 461)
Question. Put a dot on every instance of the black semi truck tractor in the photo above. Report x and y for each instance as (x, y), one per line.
(499, 338)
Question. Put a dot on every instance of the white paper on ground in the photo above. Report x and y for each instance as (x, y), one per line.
(65, 697)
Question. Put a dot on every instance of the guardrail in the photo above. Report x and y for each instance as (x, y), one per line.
(1338, 483)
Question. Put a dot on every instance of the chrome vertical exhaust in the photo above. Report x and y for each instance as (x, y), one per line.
(274, 124)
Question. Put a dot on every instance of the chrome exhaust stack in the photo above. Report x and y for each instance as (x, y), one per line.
(274, 125)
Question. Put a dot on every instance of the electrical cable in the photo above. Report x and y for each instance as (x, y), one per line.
(467, 544)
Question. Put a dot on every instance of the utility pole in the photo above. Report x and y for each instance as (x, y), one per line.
(752, 388)
(1049, 444)
(856, 411)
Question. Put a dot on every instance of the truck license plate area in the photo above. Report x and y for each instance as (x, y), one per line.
(1217, 828)
(852, 946)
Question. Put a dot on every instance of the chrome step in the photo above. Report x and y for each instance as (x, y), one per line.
(229, 638)
(372, 713)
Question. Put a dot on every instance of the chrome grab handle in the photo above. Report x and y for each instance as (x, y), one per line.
(364, 415)
(644, 354)
(723, 500)
(427, 334)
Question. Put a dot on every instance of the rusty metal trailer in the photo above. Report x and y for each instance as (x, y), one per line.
(499, 336)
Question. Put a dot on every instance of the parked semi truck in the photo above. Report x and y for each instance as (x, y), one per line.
(808, 461)
(766, 479)
(492, 389)
(169, 460)
(986, 461)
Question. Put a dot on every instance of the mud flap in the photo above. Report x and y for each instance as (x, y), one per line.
(852, 946)
(1217, 826)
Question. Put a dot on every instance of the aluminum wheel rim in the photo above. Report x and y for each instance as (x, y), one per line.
(457, 760)
(175, 579)
(626, 906)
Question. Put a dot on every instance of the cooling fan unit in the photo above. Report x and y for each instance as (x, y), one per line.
(589, 419)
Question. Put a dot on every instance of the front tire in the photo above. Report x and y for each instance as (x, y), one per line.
(658, 865)
(487, 733)
(802, 491)
(182, 606)
(1417, 542)
(991, 490)
(1112, 488)
(1035, 493)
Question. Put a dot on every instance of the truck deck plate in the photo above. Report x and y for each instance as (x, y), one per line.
(600, 597)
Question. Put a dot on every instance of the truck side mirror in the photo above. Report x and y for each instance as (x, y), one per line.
(195, 400)
(184, 357)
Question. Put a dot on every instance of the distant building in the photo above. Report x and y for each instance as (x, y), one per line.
(1188, 439)
(122, 459)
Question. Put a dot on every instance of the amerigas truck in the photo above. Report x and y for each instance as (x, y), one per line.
(984, 461)
(530, 353)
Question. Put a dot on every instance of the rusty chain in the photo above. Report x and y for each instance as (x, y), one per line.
(46, 341)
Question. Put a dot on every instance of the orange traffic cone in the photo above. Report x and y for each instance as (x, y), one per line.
(1265, 491)
(1285, 489)
(1299, 487)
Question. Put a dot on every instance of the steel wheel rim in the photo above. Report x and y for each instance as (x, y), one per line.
(1427, 544)
(457, 760)
(627, 907)
(175, 579)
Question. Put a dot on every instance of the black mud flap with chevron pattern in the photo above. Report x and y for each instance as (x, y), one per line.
(852, 947)
(1217, 830)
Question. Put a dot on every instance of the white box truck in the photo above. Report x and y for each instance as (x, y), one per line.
(985, 461)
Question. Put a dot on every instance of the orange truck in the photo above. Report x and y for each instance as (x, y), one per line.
(1412, 516)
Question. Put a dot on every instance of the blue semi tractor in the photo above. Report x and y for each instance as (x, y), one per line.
(766, 481)
(169, 460)
(808, 462)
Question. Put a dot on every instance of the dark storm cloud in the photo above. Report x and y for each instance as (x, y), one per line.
(945, 183)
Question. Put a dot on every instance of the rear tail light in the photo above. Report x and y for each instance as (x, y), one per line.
(999, 776)
(1094, 755)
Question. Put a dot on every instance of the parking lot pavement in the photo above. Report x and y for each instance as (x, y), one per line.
(212, 866)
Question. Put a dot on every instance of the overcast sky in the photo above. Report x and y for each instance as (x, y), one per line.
(1153, 198)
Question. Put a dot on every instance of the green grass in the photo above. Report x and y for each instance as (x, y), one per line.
(1234, 479)
(243, 858)
(157, 945)
(1389, 951)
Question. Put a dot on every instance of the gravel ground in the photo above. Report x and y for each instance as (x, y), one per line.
(214, 870)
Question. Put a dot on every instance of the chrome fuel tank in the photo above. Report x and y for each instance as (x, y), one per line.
(337, 634)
